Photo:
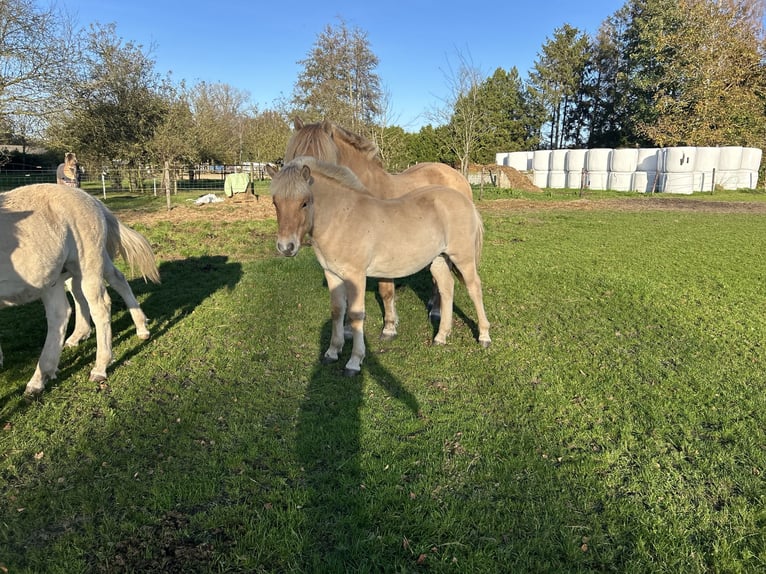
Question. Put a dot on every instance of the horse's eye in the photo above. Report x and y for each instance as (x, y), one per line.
(305, 204)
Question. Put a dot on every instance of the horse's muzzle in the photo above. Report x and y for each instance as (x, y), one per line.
(288, 248)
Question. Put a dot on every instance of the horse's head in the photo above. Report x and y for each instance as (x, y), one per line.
(294, 203)
(315, 140)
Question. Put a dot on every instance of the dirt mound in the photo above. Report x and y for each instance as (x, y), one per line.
(505, 176)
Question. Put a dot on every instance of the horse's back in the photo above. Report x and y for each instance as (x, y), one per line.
(42, 227)
(435, 173)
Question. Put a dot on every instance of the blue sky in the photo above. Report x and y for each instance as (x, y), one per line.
(256, 46)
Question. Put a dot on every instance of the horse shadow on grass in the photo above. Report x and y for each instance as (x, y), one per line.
(329, 449)
(186, 283)
(421, 283)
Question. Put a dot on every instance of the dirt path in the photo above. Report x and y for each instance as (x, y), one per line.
(262, 208)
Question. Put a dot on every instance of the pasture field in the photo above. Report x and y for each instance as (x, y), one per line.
(616, 424)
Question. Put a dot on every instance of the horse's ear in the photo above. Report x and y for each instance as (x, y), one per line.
(306, 173)
(298, 123)
(327, 127)
(271, 170)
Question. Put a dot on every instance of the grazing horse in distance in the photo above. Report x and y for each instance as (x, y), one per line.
(50, 234)
(356, 235)
(330, 142)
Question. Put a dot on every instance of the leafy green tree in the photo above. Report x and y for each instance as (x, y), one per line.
(220, 120)
(508, 124)
(556, 82)
(338, 80)
(115, 103)
(266, 136)
(712, 91)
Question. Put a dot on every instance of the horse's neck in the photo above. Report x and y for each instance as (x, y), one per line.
(370, 172)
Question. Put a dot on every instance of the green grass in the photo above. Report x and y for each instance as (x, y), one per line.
(617, 423)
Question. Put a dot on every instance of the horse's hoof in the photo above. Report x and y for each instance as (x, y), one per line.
(328, 360)
(144, 336)
(439, 343)
(387, 336)
(351, 372)
(485, 344)
(97, 378)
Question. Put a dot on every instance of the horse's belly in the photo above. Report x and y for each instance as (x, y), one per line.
(402, 261)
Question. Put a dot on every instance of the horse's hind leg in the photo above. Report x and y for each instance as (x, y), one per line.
(473, 285)
(100, 306)
(57, 313)
(387, 291)
(117, 281)
(445, 283)
(81, 329)
(434, 303)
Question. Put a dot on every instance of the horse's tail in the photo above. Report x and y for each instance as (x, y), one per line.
(131, 246)
(479, 239)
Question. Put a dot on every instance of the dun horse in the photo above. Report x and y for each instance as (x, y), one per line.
(332, 143)
(356, 235)
(51, 234)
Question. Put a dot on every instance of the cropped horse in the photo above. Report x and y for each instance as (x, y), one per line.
(51, 234)
(356, 235)
(330, 142)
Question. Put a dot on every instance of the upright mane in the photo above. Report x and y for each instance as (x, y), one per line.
(360, 143)
(319, 140)
(337, 173)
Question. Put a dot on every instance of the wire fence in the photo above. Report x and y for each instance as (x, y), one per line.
(202, 179)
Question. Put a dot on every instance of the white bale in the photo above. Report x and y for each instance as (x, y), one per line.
(501, 158)
(598, 180)
(519, 160)
(747, 179)
(727, 179)
(624, 160)
(558, 159)
(540, 178)
(751, 158)
(730, 158)
(597, 160)
(575, 160)
(575, 179)
(541, 160)
(645, 181)
(620, 180)
(557, 179)
(705, 167)
(677, 182)
(648, 159)
(679, 159)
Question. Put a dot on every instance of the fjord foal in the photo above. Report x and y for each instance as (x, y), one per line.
(356, 235)
(51, 234)
(332, 143)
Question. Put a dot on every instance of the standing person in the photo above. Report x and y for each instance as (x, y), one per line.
(67, 173)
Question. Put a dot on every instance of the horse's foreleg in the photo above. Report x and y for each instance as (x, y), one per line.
(57, 312)
(337, 314)
(117, 280)
(355, 288)
(387, 291)
(100, 307)
(445, 282)
(81, 329)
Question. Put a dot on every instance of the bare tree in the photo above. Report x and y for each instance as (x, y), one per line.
(37, 47)
(461, 113)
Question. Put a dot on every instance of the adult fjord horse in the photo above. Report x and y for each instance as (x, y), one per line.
(356, 235)
(330, 142)
(50, 234)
